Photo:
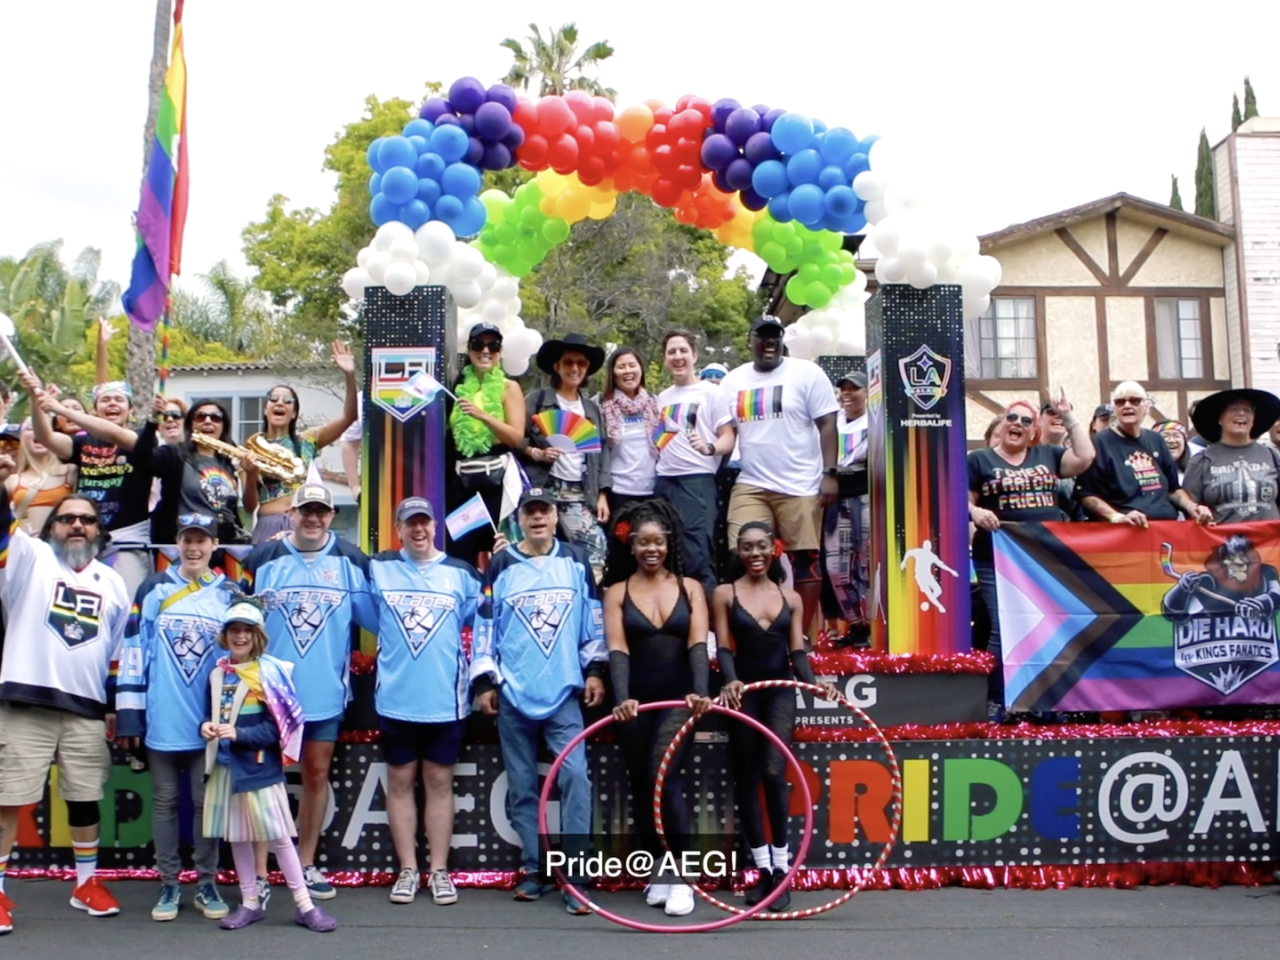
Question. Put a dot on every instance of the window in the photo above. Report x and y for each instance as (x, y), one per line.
(1001, 344)
(1179, 348)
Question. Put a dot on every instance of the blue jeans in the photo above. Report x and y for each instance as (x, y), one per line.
(987, 587)
(519, 736)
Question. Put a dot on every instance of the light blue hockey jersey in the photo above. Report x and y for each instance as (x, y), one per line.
(170, 647)
(540, 626)
(310, 610)
(423, 670)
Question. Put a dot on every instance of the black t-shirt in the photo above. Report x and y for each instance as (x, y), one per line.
(192, 481)
(1024, 491)
(118, 482)
(1132, 473)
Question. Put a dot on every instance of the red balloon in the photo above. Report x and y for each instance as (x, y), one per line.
(687, 216)
(638, 161)
(656, 137)
(655, 104)
(580, 103)
(702, 105)
(610, 161)
(683, 102)
(526, 116)
(591, 170)
(688, 123)
(562, 153)
(608, 136)
(554, 117)
(666, 193)
(688, 151)
(664, 161)
(688, 177)
(602, 109)
(532, 154)
(661, 114)
(586, 138)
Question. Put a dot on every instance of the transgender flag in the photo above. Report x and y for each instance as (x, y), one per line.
(162, 211)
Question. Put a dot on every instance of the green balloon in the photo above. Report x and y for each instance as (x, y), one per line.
(528, 250)
(817, 294)
(795, 247)
(796, 289)
(762, 230)
(505, 233)
(845, 256)
(784, 233)
(831, 275)
(531, 218)
(772, 253)
(831, 242)
(809, 272)
(848, 273)
(556, 229)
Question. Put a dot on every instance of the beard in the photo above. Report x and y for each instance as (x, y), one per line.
(76, 555)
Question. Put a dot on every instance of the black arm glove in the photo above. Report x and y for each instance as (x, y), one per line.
(701, 668)
(727, 668)
(620, 673)
(800, 664)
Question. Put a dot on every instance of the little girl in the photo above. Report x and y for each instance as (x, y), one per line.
(256, 728)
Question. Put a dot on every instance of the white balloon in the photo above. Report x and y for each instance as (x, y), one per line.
(939, 252)
(514, 366)
(884, 157)
(400, 278)
(859, 284)
(948, 272)
(802, 345)
(506, 287)
(513, 307)
(423, 271)
(911, 255)
(974, 307)
(354, 281)
(442, 274)
(869, 185)
(875, 211)
(466, 294)
(890, 270)
(995, 273)
(403, 250)
(820, 339)
(435, 242)
(468, 263)
(887, 236)
(966, 246)
(900, 200)
(377, 266)
(975, 278)
(535, 340)
(362, 258)
(493, 312)
(389, 232)
(488, 276)
(923, 276)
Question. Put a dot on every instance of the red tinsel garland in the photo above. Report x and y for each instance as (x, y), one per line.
(1032, 731)
(846, 662)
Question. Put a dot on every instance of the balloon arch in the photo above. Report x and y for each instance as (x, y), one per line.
(772, 181)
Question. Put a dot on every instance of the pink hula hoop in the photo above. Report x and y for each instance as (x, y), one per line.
(894, 829)
(777, 741)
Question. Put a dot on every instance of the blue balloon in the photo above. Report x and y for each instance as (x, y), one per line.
(837, 145)
(818, 126)
(739, 174)
(501, 93)
(804, 167)
(854, 222)
(472, 219)
(759, 148)
(372, 156)
(375, 184)
(428, 191)
(430, 165)
(418, 128)
(414, 214)
(382, 210)
(792, 132)
(807, 204)
(769, 178)
(460, 180)
(841, 201)
(864, 145)
(449, 208)
(752, 200)
(450, 142)
(420, 144)
(831, 177)
(720, 111)
(741, 125)
(832, 223)
(780, 207)
(718, 151)
(396, 152)
(400, 185)
(856, 164)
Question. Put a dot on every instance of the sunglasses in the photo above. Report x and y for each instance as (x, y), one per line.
(84, 519)
(172, 415)
(211, 415)
(283, 398)
(481, 346)
(1129, 401)
(1014, 418)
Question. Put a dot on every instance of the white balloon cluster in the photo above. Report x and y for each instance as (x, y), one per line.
(838, 328)
(914, 243)
(401, 259)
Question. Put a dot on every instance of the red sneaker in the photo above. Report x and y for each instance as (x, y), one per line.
(94, 898)
(6, 921)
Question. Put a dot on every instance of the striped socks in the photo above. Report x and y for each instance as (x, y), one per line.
(4, 868)
(86, 861)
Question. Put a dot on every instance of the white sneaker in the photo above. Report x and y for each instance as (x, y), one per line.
(656, 894)
(680, 902)
(442, 889)
(406, 886)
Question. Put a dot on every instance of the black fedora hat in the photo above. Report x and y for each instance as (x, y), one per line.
(551, 352)
(1266, 407)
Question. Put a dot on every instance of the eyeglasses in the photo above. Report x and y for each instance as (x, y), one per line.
(213, 416)
(575, 362)
(481, 346)
(1014, 418)
(173, 415)
(84, 519)
(1129, 401)
(283, 398)
(315, 509)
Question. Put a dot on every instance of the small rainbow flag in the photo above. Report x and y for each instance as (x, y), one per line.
(579, 432)
(669, 426)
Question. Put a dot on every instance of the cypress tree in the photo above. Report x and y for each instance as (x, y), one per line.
(1175, 199)
(1204, 179)
(1250, 102)
(1236, 119)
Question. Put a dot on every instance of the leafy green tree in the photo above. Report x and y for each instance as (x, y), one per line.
(1175, 199)
(185, 349)
(230, 310)
(1205, 206)
(1236, 119)
(553, 62)
(1250, 101)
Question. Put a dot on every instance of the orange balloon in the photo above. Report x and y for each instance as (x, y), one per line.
(634, 122)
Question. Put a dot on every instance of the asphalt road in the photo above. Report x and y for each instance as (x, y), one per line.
(1151, 923)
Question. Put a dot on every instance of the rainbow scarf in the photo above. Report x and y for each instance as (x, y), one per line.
(162, 211)
(269, 679)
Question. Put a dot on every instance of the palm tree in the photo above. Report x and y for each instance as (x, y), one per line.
(555, 63)
(231, 311)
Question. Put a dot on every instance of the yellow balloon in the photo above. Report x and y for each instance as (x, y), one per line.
(548, 206)
(573, 205)
(604, 210)
(552, 184)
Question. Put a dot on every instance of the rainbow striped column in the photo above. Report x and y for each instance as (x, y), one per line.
(919, 481)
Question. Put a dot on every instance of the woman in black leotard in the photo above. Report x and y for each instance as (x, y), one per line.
(760, 635)
(655, 623)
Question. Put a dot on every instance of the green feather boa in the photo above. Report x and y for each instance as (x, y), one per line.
(470, 436)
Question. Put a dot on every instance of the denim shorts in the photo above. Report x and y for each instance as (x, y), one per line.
(324, 731)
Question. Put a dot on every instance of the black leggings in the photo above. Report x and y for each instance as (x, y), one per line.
(643, 741)
(776, 709)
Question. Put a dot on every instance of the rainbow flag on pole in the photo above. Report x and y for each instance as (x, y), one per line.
(162, 211)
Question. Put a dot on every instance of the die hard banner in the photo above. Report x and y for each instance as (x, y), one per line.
(965, 803)
(1111, 617)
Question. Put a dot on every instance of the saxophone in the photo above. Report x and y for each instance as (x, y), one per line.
(272, 459)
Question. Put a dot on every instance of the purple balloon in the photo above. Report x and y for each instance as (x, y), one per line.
(769, 116)
(739, 174)
(502, 95)
(434, 108)
(466, 95)
(720, 111)
(496, 157)
(759, 148)
(717, 177)
(760, 108)
(741, 125)
(718, 151)
(446, 119)
(514, 137)
(492, 121)
(475, 151)
(752, 200)
(467, 121)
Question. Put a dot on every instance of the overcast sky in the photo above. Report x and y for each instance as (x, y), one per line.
(1013, 112)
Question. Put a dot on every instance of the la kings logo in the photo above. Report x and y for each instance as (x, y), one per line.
(544, 612)
(189, 640)
(306, 610)
(75, 613)
(419, 616)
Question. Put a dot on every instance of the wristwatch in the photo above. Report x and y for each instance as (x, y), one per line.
(831, 472)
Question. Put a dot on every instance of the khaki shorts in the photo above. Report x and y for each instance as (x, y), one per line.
(797, 521)
(33, 738)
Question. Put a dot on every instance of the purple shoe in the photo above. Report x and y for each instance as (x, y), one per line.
(315, 919)
(241, 917)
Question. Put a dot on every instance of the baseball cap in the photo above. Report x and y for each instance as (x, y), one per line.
(713, 371)
(414, 506)
(313, 493)
(1103, 410)
(536, 495)
(484, 327)
(855, 377)
(243, 612)
(764, 322)
(11, 431)
(197, 521)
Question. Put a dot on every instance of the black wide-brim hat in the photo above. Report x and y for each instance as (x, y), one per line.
(1266, 407)
(550, 353)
